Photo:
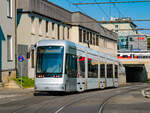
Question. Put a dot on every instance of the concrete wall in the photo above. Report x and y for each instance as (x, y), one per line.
(147, 66)
(122, 76)
(7, 27)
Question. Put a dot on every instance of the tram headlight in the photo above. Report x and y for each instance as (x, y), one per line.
(58, 76)
(39, 76)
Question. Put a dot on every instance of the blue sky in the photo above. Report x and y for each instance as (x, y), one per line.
(98, 12)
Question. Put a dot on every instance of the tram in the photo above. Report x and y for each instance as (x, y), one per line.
(65, 66)
(134, 55)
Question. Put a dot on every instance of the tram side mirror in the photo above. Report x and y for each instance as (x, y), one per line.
(28, 55)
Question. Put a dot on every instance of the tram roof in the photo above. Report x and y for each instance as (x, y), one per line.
(78, 46)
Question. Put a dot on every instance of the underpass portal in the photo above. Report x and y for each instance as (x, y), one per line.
(136, 73)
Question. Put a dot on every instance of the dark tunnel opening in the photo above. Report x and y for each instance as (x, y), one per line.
(136, 73)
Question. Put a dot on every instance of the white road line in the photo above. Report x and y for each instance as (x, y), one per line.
(60, 109)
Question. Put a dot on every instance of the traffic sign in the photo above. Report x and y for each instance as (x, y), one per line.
(21, 58)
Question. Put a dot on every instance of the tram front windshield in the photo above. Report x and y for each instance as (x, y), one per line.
(50, 59)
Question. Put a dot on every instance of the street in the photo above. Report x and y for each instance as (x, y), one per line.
(127, 99)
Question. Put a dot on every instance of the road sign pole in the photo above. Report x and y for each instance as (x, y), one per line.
(21, 59)
(21, 74)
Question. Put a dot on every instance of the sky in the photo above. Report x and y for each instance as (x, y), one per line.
(105, 11)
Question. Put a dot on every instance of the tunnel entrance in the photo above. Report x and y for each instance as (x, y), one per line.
(136, 73)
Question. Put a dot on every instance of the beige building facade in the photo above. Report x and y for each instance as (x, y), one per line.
(122, 26)
(45, 20)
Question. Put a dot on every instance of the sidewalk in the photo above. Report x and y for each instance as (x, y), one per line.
(8, 93)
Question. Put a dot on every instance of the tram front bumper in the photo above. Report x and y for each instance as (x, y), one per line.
(49, 87)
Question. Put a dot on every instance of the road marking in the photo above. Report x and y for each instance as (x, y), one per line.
(60, 109)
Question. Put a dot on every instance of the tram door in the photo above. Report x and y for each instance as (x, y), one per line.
(102, 74)
(110, 75)
(71, 71)
(80, 73)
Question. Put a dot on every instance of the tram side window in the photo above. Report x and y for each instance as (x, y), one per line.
(81, 66)
(116, 71)
(109, 71)
(71, 65)
(125, 56)
(102, 70)
(92, 68)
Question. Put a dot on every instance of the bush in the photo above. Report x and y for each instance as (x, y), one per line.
(148, 80)
(26, 82)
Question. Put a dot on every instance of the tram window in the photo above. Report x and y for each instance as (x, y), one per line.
(125, 56)
(92, 68)
(81, 66)
(116, 71)
(109, 71)
(102, 70)
(71, 65)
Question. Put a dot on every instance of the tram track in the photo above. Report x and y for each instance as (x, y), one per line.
(115, 95)
(105, 101)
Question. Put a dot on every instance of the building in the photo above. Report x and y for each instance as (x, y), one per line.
(129, 39)
(148, 42)
(41, 19)
(7, 40)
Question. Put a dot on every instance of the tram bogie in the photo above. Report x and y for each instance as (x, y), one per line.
(66, 66)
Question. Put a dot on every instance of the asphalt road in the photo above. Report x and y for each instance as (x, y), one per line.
(115, 100)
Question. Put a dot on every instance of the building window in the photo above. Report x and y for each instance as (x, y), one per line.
(58, 32)
(53, 26)
(94, 39)
(46, 26)
(32, 58)
(91, 38)
(9, 48)
(87, 36)
(9, 8)
(63, 33)
(68, 33)
(105, 43)
(80, 35)
(32, 23)
(84, 36)
(40, 30)
(131, 47)
(97, 40)
(116, 28)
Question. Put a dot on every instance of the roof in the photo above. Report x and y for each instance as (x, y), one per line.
(50, 10)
